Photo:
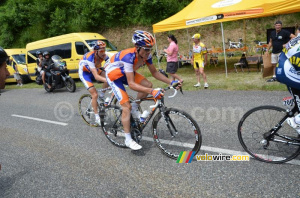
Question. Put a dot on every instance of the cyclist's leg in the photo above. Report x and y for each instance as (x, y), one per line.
(122, 96)
(196, 68)
(201, 70)
(140, 79)
(87, 80)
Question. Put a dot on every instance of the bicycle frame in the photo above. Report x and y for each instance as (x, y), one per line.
(159, 104)
(270, 134)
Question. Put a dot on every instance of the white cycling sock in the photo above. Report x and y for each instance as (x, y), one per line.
(101, 94)
(97, 117)
(128, 137)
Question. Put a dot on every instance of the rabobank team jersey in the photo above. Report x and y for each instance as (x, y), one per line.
(127, 60)
(198, 51)
(87, 62)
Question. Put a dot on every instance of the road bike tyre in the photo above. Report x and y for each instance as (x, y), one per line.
(70, 84)
(86, 111)
(188, 137)
(258, 121)
(111, 125)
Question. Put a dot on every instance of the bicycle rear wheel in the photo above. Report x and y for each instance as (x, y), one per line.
(112, 126)
(256, 123)
(176, 132)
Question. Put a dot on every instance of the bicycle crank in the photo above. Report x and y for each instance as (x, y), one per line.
(136, 135)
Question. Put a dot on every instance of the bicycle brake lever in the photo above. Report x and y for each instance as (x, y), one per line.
(180, 89)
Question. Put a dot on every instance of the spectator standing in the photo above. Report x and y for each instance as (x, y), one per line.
(172, 58)
(278, 39)
(199, 59)
(16, 74)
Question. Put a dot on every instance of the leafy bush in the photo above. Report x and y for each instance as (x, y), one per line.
(25, 21)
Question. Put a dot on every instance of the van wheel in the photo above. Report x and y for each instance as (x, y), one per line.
(70, 84)
(25, 79)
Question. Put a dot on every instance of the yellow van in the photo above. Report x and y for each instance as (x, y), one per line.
(71, 47)
(18, 60)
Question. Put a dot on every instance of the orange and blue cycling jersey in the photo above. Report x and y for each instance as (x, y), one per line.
(86, 63)
(122, 62)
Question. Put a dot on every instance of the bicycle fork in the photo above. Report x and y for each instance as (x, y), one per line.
(172, 129)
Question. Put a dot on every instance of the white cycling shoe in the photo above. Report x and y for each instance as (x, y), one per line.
(293, 124)
(98, 122)
(133, 145)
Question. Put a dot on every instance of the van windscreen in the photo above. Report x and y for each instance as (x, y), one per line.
(109, 45)
(19, 58)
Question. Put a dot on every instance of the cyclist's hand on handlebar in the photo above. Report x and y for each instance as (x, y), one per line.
(176, 84)
(157, 93)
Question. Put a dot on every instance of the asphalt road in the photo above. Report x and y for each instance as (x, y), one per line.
(67, 158)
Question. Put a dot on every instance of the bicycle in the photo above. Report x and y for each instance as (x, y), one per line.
(265, 135)
(173, 130)
(235, 45)
(86, 110)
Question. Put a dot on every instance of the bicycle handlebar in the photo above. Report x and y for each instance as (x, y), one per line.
(172, 96)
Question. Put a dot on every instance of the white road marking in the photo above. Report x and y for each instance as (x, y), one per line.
(215, 149)
(41, 120)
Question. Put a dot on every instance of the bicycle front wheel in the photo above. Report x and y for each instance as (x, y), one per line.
(112, 126)
(256, 123)
(86, 110)
(176, 131)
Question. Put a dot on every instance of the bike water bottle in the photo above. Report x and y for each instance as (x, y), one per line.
(106, 101)
(144, 116)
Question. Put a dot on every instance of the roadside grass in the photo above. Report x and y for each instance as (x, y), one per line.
(216, 77)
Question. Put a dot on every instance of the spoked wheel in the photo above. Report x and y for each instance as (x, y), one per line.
(177, 132)
(253, 129)
(86, 110)
(112, 126)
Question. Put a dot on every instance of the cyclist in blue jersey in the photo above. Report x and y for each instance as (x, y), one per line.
(90, 70)
(288, 72)
(122, 70)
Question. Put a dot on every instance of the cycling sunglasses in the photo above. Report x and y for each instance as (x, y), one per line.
(147, 49)
(101, 50)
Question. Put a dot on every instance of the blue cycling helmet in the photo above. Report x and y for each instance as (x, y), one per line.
(99, 44)
(143, 38)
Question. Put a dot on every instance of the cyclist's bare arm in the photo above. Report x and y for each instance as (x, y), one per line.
(97, 76)
(135, 86)
(158, 75)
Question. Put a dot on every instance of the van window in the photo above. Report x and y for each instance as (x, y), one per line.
(19, 58)
(63, 50)
(81, 48)
(109, 45)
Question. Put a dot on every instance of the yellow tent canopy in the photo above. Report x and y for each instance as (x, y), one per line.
(203, 12)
